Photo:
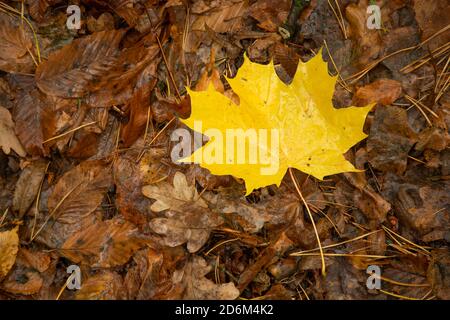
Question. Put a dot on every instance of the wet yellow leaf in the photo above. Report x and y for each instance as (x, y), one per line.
(279, 125)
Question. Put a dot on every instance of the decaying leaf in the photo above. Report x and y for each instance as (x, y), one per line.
(173, 197)
(23, 282)
(250, 217)
(35, 259)
(432, 16)
(439, 273)
(79, 191)
(313, 135)
(35, 121)
(15, 45)
(27, 186)
(192, 225)
(383, 91)
(9, 245)
(390, 140)
(76, 195)
(104, 244)
(195, 286)
(8, 139)
(69, 71)
(106, 285)
(368, 41)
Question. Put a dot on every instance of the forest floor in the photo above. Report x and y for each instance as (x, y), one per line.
(86, 117)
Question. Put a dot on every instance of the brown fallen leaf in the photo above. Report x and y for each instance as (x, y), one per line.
(35, 121)
(192, 225)
(76, 195)
(343, 282)
(432, 16)
(195, 286)
(383, 91)
(367, 41)
(106, 285)
(439, 273)
(421, 206)
(129, 179)
(418, 283)
(9, 245)
(8, 139)
(27, 186)
(355, 191)
(35, 259)
(105, 244)
(270, 17)
(151, 276)
(69, 71)
(220, 16)
(173, 197)
(276, 249)
(96, 65)
(38, 8)
(138, 108)
(23, 282)
(15, 45)
(103, 23)
(235, 207)
(79, 191)
(141, 280)
(390, 139)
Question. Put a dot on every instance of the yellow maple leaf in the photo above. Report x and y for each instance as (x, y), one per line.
(279, 125)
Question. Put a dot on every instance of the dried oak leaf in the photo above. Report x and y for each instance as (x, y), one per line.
(192, 225)
(27, 186)
(195, 286)
(15, 45)
(8, 139)
(188, 219)
(9, 245)
(302, 109)
(173, 197)
(251, 218)
(105, 244)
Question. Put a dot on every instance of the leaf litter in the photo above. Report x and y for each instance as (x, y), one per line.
(86, 175)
